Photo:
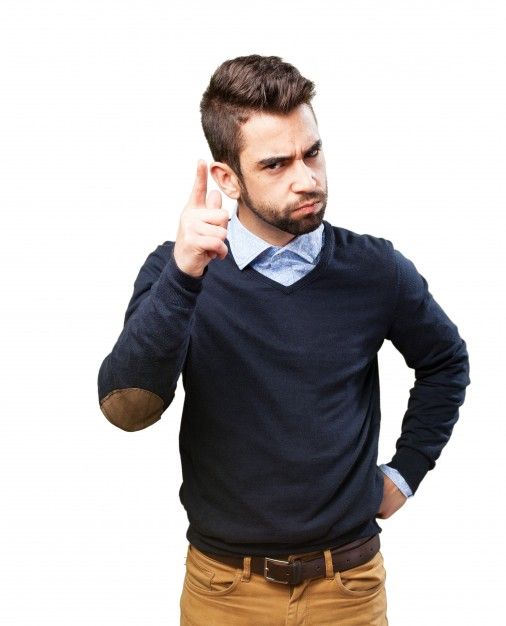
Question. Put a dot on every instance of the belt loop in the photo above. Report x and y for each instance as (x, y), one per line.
(246, 568)
(329, 566)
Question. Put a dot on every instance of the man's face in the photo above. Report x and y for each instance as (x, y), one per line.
(283, 168)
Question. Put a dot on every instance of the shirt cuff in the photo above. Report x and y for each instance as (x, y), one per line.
(396, 477)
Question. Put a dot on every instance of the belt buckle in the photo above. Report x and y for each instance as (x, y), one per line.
(266, 569)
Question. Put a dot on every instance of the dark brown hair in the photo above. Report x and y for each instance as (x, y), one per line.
(246, 85)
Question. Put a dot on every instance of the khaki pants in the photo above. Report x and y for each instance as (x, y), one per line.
(216, 594)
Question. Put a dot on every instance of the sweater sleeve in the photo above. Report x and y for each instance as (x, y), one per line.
(138, 378)
(430, 344)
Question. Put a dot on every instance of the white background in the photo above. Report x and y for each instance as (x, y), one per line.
(99, 140)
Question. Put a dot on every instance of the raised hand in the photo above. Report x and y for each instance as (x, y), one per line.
(202, 227)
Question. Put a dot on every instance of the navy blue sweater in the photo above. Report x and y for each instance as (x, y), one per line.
(281, 415)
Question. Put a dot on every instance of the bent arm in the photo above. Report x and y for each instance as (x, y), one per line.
(430, 344)
(138, 378)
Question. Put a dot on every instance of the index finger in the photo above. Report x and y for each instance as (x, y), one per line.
(199, 191)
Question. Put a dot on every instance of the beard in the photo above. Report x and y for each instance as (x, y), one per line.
(297, 225)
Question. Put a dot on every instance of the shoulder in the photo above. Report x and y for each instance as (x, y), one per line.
(148, 274)
(155, 261)
(365, 247)
(378, 261)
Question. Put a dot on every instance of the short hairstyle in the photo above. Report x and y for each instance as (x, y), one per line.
(242, 86)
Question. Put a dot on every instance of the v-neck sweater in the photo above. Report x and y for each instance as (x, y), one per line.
(285, 264)
(281, 416)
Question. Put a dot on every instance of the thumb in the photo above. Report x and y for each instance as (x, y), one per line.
(213, 200)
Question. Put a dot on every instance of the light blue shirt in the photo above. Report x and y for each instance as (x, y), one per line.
(287, 264)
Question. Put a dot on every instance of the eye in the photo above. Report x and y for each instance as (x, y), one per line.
(317, 150)
(273, 166)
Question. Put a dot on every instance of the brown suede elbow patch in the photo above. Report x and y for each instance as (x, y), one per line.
(132, 408)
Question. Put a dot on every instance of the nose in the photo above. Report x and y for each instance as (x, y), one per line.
(304, 179)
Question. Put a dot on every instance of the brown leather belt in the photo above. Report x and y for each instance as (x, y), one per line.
(294, 572)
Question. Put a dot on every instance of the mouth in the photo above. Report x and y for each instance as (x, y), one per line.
(309, 208)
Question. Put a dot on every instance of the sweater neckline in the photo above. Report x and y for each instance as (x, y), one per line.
(326, 251)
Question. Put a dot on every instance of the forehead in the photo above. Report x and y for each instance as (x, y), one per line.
(268, 134)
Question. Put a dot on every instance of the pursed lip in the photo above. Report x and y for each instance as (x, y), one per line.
(307, 205)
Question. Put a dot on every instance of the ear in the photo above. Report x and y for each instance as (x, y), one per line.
(225, 178)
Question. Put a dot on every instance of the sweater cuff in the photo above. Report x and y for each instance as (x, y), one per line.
(177, 287)
(412, 465)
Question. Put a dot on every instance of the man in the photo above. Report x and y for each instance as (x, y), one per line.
(277, 346)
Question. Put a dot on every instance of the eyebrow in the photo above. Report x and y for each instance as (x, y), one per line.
(275, 159)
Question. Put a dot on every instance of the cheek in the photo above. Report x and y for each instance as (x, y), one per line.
(321, 177)
(321, 169)
(264, 186)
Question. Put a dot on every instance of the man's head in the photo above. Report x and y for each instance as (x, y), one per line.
(255, 111)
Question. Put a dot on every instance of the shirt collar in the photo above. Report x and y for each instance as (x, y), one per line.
(246, 246)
